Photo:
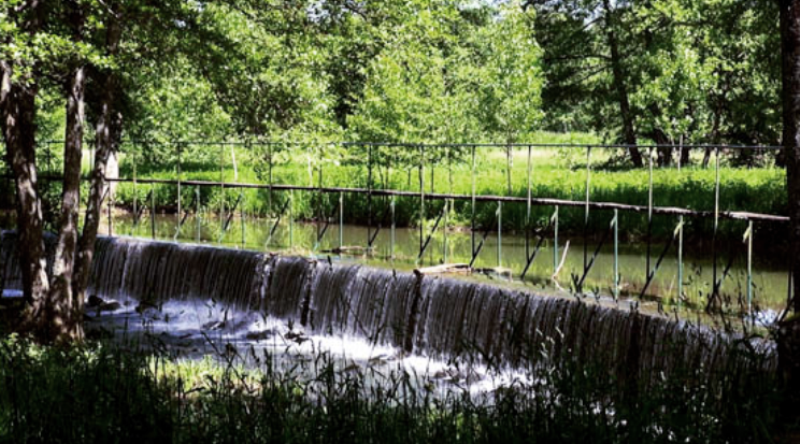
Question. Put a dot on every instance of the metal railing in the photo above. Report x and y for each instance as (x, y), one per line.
(420, 156)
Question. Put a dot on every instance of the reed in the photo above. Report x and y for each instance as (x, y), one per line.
(124, 392)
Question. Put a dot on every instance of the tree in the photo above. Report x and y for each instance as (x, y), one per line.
(509, 80)
(60, 43)
(586, 51)
(37, 26)
(22, 25)
(61, 319)
(789, 338)
(674, 70)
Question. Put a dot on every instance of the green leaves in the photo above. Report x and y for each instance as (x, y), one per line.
(444, 79)
(699, 71)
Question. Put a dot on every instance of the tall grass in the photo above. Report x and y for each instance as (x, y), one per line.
(117, 393)
(555, 173)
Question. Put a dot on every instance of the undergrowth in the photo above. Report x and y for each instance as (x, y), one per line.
(116, 393)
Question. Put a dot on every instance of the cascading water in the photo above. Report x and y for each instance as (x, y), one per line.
(158, 271)
(435, 316)
(368, 302)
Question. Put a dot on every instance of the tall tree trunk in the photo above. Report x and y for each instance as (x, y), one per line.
(664, 152)
(622, 91)
(789, 337)
(17, 121)
(108, 130)
(685, 159)
(716, 134)
(790, 33)
(64, 316)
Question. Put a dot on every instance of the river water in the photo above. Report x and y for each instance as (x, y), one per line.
(195, 300)
(501, 263)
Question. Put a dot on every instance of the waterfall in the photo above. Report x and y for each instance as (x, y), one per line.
(286, 287)
(430, 315)
(158, 271)
(364, 301)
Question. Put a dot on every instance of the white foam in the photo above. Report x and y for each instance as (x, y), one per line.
(11, 293)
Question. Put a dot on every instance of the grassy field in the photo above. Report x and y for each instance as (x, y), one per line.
(555, 173)
(118, 394)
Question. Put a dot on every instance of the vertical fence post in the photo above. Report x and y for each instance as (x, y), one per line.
(448, 203)
(555, 240)
(421, 197)
(242, 215)
(528, 212)
(135, 224)
(749, 237)
(394, 227)
(586, 211)
(178, 149)
(649, 207)
(680, 238)
(269, 178)
(616, 255)
(221, 194)
(369, 198)
(291, 220)
(198, 219)
(680, 261)
(716, 224)
(499, 234)
(341, 222)
(444, 231)
(319, 200)
(153, 209)
(110, 220)
(472, 220)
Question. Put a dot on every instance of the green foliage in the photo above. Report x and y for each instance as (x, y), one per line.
(445, 79)
(555, 174)
(113, 393)
(418, 71)
(694, 71)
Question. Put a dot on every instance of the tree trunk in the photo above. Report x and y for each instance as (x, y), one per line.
(664, 152)
(789, 339)
(685, 160)
(622, 92)
(17, 121)
(108, 131)
(64, 315)
(790, 33)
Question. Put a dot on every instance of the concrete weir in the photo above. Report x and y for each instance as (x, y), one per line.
(429, 315)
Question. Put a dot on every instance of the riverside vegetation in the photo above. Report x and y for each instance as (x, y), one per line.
(580, 371)
(123, 392)
(556, 173)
